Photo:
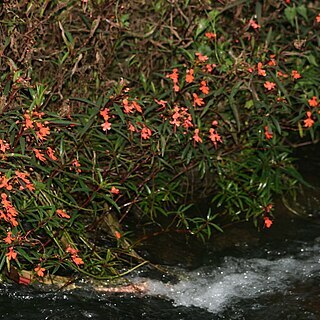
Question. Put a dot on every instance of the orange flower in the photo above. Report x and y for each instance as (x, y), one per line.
(137, 106)
(261, 72)
(318, 18)
(77, 260)
(105, 114)
(74, 255)
(40, 271)
(4, 145)
(197, 101)
(210, 35)
(114, 190)
(43, 131)
(210, 67)
(75, 163)
(39, 155)
(146, 133)
(201, 57)
(23, 176)
(308, 123)
(267, 222)
(313, 102)
(174, 76)
(196, 136)
(106, 126)
(117, 234)
(8, 239)
(214, 136)
(280, 74)
(50, 153)
(62, 213)
(204, 88)
(268, 133)
(272, 62)
(253, 24)
(132, 127)
(11, 254)
(11, 212)
(5, 183)
(295, 74)
(28, 122)
(189, 75)
(176, 88)
(128, 108)
(162, 103)
(181, 116)
(269, 85)
(71, 250)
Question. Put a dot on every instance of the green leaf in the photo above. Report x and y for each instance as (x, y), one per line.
(202, 26)
(302, 10)
(249, 104)
(233, 105)
(281, 87)
(276, 124)
(300, 130)
(290, 13)
(312, 60)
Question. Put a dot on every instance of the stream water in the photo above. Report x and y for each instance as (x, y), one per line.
(278, 279)
(274, 275)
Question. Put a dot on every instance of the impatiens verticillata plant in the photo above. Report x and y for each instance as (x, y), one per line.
(83, 163)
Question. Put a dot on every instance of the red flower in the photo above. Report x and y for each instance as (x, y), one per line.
(62, 214)
(114, 190)
(214, 136)
(4, 145)
(268, 134)
(39, 155)
(190, 75)
(313, 102)
(77, 260)
(295, 74)
(40, 271)
(261, 72)
(210, 35)
(117, 234)
(197, 101)
(308, 123)
(11, 254)
(196, 136)
(8, 239)
(76, 165)
(267, 222)
(146, 133)
(174, 76)
(269, 85)
(50, 153)
(201, 57)
(254, 25)
(204, 88)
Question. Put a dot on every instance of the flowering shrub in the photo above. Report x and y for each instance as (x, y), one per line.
(81, 164)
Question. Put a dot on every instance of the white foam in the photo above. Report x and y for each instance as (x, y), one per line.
(214, 288)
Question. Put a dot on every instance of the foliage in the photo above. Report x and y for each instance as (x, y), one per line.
(109, 119)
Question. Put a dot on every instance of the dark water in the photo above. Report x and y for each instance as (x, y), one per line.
(279, 278)
(271, 274)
